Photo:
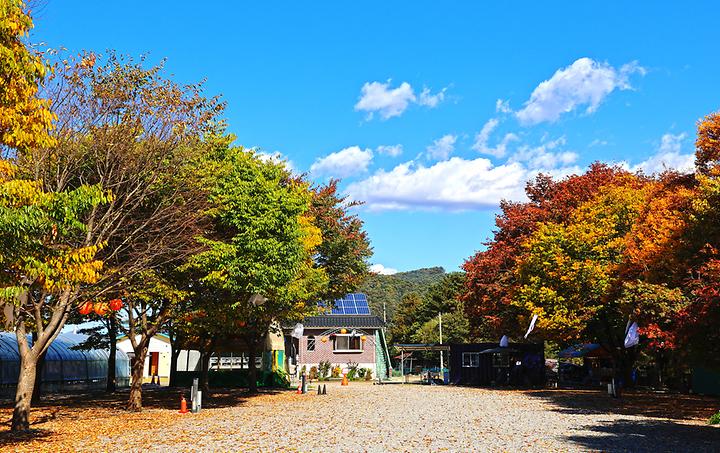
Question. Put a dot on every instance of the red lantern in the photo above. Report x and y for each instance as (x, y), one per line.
(101, 309)
(115, 304)
(241, 323)
(85, 308)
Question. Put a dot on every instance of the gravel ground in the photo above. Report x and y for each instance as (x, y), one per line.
(394, 417)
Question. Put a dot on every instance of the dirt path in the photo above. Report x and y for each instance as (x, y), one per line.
(363, 417)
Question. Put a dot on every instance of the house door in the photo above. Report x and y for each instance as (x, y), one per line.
(154, 361)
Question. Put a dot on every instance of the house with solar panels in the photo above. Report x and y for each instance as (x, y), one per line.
(346, 333)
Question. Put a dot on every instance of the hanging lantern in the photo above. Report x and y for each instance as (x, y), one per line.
(363, 337)
(115, 304)
(323, 339)
(101, 308)
(343, 331)
(85, 308)
(241, 323)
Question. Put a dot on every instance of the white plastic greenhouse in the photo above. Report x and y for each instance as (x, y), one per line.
(65, 368)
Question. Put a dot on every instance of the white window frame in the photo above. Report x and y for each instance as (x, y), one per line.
(311, 341)
(476, 355)
(347, 350)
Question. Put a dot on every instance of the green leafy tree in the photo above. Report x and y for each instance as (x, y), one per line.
(259, 253)
(43, 266)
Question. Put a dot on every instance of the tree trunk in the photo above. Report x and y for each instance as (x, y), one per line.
(205, 372)
(174, 355)
(138, 367)
(23, 395)
(252, 372)
(112, 338)
(38, 375)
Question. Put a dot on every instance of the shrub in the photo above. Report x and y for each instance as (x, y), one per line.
(361, 372)
(352, 370)
(324, 368)
(715, 419)
(368, 375)
(313, 373)
(336, 371)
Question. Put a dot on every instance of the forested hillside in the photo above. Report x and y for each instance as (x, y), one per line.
(390, 289)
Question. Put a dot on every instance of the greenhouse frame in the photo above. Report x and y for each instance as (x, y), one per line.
(65, 368)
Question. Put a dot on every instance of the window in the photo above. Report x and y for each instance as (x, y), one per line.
(470, 359)
(347, 343)
(311, 343)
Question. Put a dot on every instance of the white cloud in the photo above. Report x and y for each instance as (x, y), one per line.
(382, 270)
(346, 162)
(545, 155)
(431, 100)
(584, 83)
(669, 156)
(390, 150)
(502, 106)
(442, 147)
(597, 142)
(453, 185)
(389, 102)
(482, 138)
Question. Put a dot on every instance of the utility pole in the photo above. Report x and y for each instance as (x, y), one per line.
(442, 365)
(384, 314)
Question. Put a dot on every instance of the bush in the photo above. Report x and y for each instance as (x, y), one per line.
(324, 368)
(368, 375)
(352, 370)
(313, 373)
(336, 371)
(715, 419)
(361, 372)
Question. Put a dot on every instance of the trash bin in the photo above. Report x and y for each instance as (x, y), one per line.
(446, 376)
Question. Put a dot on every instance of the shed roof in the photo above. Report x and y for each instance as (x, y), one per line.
(357, 321)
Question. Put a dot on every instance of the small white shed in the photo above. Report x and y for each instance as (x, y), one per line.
(157, 360)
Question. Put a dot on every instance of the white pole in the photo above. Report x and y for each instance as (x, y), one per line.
(442, 364)
(402, 365)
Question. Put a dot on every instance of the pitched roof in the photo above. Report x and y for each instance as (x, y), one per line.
(358, 321)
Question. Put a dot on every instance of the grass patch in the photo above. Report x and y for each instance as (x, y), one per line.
(715, 419)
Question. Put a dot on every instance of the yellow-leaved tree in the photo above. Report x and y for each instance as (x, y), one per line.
(42, 266)
(25, 118)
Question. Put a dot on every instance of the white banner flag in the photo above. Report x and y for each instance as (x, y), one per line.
(504, 341)
(632, 338)
(298, 331)
(532, 325)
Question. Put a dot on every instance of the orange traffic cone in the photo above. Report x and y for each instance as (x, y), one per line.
(345, 380)
(183, 405)
(299, 390)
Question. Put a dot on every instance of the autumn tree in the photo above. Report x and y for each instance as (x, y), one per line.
(128, 129)
(345, 246)
(491, 278)
(25, 118)
(42, 267)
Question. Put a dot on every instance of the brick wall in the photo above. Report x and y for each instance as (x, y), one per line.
(324, 351)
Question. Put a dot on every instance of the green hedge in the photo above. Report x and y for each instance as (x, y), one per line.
(235, 378)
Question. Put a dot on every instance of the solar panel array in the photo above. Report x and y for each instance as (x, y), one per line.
(351, 304)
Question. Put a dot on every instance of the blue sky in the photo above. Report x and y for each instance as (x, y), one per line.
(431, 112)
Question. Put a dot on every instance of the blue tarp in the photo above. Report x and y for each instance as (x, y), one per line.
(578, 350)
